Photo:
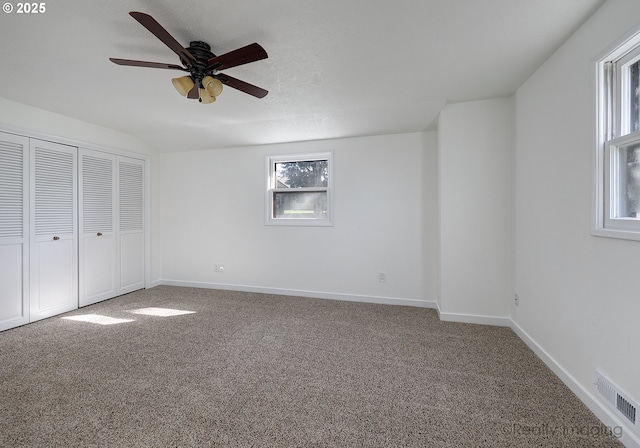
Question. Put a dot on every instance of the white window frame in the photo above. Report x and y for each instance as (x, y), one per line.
(611, 134)
(271, 190)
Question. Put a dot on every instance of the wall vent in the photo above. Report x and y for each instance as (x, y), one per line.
(626, 408)
(619, 401)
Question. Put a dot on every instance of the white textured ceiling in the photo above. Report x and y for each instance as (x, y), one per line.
(336, 68)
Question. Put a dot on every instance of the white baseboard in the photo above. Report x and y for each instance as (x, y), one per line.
(495, 321)
(628, 438)
(301, 293)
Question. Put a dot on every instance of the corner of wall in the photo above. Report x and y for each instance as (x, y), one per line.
(475, 146)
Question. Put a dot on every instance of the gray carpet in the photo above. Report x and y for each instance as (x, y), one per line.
(254, 370)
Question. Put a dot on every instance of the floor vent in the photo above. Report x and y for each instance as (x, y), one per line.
(618, 400)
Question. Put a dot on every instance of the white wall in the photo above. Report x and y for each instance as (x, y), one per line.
(31, 118)
(213, 213)
(475, 157)
(579, 294)
(430, 216)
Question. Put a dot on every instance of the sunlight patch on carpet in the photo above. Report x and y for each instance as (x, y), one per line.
(162, 312)
(98, 319)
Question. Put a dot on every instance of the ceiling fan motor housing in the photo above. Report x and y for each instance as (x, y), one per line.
(201, 51)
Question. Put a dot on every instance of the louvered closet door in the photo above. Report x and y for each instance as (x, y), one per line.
(130, 180)
(14, 231)
(97, 221)
(54, 238)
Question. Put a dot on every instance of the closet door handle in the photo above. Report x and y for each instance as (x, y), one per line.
(99, 233)
(56, 238)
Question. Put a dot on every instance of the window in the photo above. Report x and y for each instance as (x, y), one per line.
(299, 190)
(617, 185)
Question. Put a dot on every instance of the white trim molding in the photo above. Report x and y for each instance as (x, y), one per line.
(301, 293)
(496, 321)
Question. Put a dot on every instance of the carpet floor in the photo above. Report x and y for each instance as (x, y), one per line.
(258, 370)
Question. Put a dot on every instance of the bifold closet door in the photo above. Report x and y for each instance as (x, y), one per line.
(97, 188)
(54, 234)
(130, 236)
(14, 231)
(111, 225)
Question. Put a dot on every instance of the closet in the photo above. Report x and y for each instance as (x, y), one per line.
(72, 227)
(111, 225)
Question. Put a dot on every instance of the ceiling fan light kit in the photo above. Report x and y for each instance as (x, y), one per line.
(204, 81)
(183, 85)
(212, 85)
(205, 98)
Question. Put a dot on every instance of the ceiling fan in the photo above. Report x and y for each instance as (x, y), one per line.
(204, 81)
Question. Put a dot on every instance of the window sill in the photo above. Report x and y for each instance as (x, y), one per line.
(623, 234)
(299, 222)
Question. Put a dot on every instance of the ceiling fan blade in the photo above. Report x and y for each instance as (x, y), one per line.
(194, 93)
(242, 86)
(146, 64)
(157, 30)
(244, 55)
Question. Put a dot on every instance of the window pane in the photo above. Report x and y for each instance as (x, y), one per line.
(300, 205)
(313, 173)
(629, 181)
(634, 97)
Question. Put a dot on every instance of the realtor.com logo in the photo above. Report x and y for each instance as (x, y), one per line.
(563, 431)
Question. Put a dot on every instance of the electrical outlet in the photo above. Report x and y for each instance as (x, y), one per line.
(382, 277)
(219, 268)
(516, 300)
